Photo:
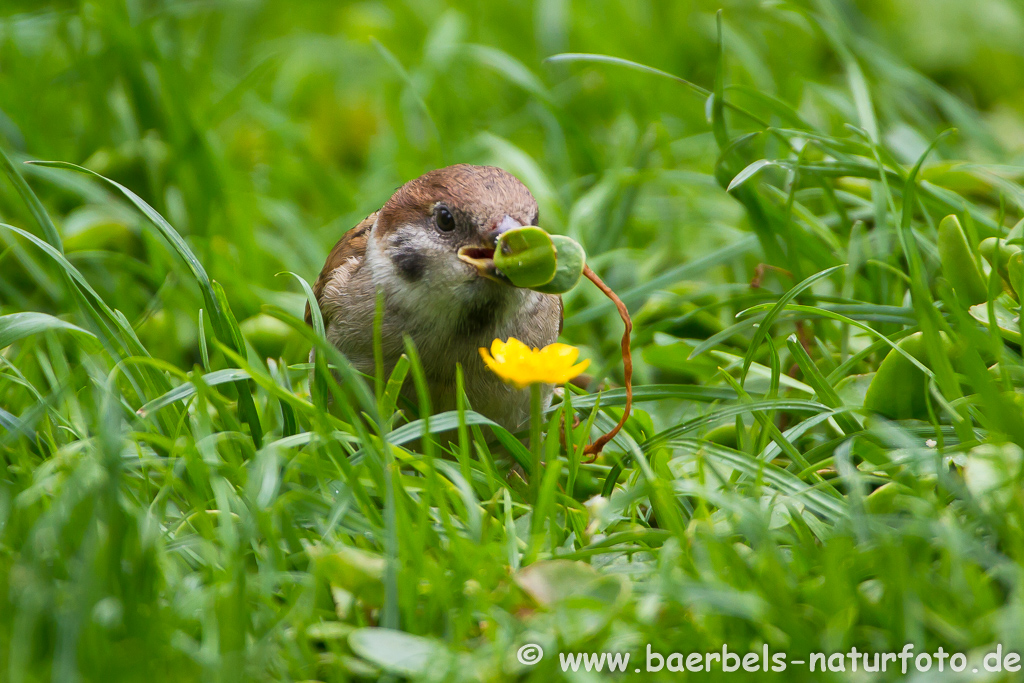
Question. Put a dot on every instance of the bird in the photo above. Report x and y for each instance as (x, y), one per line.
(428, 252)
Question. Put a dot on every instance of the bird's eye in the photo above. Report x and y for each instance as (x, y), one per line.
(444, 219)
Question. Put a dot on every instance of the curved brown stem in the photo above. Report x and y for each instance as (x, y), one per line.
(627, 362)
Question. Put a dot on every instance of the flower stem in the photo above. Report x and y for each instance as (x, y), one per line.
(536, 447)
(627, 361)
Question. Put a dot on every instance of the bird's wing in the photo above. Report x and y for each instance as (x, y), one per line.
(561, 316)
(352, 245)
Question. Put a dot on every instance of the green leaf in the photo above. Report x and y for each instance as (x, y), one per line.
(443, 422)
(398, 652)
(319, 388)
(129, 340)
(33, 203)
(635, 296)
(551, 581)
(765, 325)
(830, 507)
(187, 390)
(958, 264)
(618, 61)
(389, 401)
(731, 411)
(16, 326)
(246, 403)
(654, 393)
(822, 389)
(898, 387)
(997, 252)
(1015, 273)
(1007, 313)
(748, 173)
(509, 67)
(358, 571)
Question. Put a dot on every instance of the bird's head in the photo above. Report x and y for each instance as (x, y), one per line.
(437, 233)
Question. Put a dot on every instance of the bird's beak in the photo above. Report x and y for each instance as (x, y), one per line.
(482, 257)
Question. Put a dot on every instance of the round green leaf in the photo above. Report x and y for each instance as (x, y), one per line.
(398, 652)
(1007, 316)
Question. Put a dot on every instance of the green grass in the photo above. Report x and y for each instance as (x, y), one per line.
(177, 503)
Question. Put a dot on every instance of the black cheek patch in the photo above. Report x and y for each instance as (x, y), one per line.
(411, 264)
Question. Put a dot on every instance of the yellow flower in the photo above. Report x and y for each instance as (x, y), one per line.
(517, 363)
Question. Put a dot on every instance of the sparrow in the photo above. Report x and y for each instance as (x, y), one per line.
(429, 253)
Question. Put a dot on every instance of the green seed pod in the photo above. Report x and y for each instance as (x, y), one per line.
(898, 388)
(1015, 271)
(526, 256)
(724, 435)
(569, 268)
(997, 252)
(958, 263)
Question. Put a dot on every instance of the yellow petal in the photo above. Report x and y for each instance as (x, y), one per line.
(517, 363)
(489, 361)
(561, 353)
(515, 347)
(498, 349)
(577, 369)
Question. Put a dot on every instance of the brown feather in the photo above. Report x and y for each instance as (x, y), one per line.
(484, 192)
(351, 245)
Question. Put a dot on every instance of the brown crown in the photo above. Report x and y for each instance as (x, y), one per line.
(482, 194)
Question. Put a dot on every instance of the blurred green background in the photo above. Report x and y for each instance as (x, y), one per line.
(176, 544)
(264, 130)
